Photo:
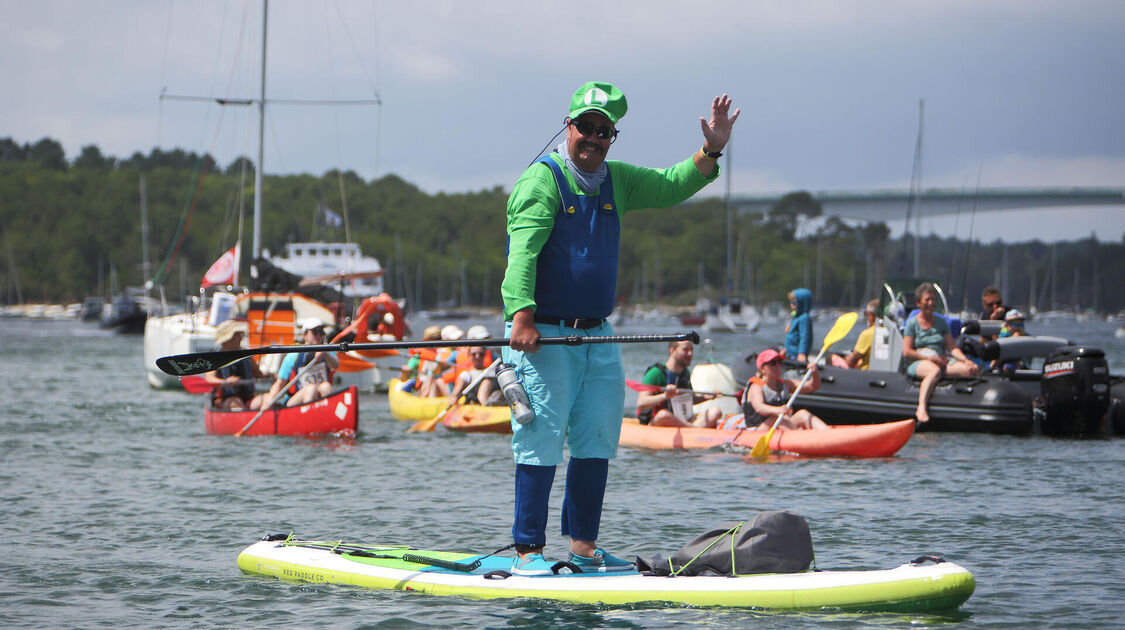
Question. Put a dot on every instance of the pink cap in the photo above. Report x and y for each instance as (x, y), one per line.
(767, 355)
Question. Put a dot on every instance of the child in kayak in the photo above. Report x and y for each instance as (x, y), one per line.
(799, 331)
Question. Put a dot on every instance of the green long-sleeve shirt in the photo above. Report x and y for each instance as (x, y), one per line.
(535, 201)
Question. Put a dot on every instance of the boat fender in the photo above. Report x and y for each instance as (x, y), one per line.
(924, 559)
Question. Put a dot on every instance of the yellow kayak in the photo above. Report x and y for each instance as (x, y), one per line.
(464, 418)
(408, 406)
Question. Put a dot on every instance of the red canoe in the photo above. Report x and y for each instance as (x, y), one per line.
(337, 413)
(861, 440)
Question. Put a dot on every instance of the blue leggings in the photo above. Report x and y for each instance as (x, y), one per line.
(582, 501)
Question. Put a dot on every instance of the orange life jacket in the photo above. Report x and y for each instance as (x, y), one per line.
(464, 363)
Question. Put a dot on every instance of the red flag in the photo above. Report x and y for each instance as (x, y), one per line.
(224, 271)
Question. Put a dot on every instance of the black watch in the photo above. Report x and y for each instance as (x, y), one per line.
(714, 155)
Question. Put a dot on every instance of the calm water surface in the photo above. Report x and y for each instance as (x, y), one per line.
(118, 510)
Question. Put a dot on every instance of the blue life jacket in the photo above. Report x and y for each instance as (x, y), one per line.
(576, 275)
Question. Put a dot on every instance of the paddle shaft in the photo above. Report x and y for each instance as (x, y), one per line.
(198, 385)
(267, 405)
(655, 389)
(838, 331)
(200, 362)
(428, 425)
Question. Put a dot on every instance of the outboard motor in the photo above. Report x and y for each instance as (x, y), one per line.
(1075, 392)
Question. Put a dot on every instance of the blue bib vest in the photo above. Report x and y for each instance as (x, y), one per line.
(576, 275)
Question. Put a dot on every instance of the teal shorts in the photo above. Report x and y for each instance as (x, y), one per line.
(577, 394)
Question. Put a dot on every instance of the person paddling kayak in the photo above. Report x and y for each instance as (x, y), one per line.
(563, 225)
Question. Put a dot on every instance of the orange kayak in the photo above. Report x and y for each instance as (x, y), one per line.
(478, 419)
(859, 440)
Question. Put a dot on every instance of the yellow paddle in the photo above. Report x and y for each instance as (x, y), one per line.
(424, 426)
(839, 330)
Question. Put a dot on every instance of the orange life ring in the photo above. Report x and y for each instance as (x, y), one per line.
(377, 307)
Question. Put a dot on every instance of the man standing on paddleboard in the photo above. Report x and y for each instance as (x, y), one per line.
(563, 223)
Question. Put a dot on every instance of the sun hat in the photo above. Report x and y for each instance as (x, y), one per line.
(765, 356)
(600, 97)
(451, 333)
(310, 323)
(229, 329)
(478, 332)
(1014, 315)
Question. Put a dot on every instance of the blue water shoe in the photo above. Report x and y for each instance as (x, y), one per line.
(531, 565)
(602, 562)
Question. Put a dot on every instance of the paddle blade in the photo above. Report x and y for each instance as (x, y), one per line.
(195, 384)
(425, 426)
(762, 446)
(840, 329)
(641, 387)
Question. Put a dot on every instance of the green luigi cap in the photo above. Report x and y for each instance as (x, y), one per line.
(600, 97)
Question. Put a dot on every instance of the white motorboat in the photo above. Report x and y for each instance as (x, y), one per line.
(341, 266)
(732, 315)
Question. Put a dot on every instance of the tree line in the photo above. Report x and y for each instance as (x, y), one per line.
(72, 228)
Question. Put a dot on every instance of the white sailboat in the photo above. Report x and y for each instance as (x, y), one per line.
(732, 315)
(271, 317)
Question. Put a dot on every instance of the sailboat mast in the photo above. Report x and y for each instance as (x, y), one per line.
(257, 245)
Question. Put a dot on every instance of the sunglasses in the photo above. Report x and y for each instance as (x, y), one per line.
(992, 304)
(586, 129)
(774, 362)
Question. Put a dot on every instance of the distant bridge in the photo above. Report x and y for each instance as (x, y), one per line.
(890, 205)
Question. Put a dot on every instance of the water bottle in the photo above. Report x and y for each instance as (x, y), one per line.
(513, 392)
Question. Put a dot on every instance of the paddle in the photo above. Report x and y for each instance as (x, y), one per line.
(839, 330)
(652, 389)
(198, 385)
(200, 362)
(266, 405)
(428, 425)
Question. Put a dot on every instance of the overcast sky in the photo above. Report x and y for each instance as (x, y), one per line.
(1025, 93)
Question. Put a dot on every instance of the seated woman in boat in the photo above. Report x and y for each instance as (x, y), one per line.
(488, 391)
(669, 407)
(929, 348)
(767, 392)
(314, 382)
(234, 383)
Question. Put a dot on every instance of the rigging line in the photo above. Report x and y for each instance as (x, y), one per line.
(359, 58)
(336, 128)
(969, 250)
(194, 191)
